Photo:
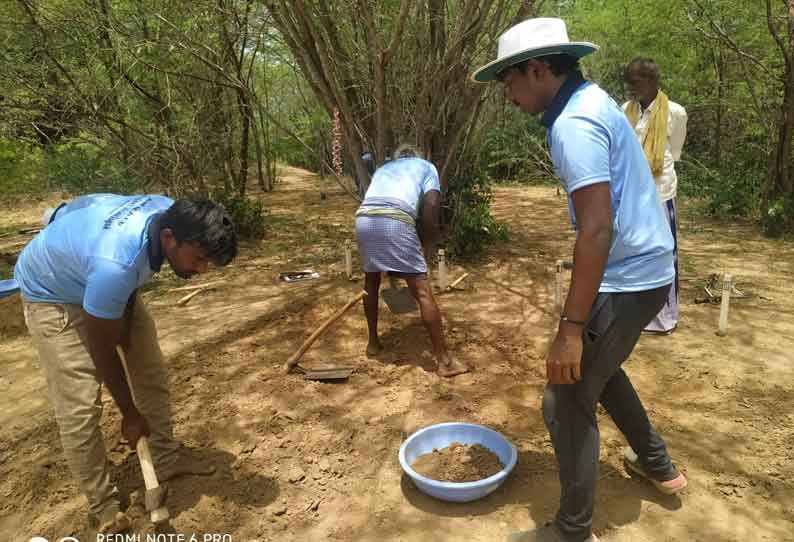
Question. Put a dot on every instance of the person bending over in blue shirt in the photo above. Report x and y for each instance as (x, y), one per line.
(622, 266)
(388, 241)
(78, 278)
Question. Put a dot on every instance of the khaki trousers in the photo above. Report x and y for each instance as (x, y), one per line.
(58, 332)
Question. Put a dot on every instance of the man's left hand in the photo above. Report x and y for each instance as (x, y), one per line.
(564, 361)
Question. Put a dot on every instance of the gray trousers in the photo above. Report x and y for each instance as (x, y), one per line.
(613, 328)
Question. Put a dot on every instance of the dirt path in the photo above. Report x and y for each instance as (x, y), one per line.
(300, 460)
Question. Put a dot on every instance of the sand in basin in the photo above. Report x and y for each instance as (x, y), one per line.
(458, 463)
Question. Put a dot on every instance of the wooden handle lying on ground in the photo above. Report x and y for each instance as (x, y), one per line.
(457, 281)
(196, 286)
(186, 299)
(295, 358)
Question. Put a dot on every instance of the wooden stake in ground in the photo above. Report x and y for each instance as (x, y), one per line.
(558, 286)
(442, 270)
(726, 301)
(295, 358)
(559, 267)
(348, 259)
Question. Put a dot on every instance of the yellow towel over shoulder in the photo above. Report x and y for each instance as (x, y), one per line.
(655, 139)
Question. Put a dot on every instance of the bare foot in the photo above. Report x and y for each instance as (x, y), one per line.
(374, 348)
(452, 367)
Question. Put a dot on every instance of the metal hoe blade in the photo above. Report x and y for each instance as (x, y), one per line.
(399, 300)
(325, 373)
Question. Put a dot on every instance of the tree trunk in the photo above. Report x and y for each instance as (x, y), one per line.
(719, 68)
(780, 183)
(242, 179)
(783, 152)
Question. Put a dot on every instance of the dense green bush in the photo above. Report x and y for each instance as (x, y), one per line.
(21, 168)
(247, 213)
(515, 149)
(725, 193)
(73, 167)
(77, 167)
(472, 226)
(778, 218)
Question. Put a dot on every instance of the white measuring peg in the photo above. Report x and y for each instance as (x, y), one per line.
(442, 270)
(348, 259)
(558, 286)
(726, 301)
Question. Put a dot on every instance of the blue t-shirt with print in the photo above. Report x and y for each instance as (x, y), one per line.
(95, 253)
(591, 142)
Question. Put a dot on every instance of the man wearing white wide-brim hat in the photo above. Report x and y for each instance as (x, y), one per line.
(623, 266)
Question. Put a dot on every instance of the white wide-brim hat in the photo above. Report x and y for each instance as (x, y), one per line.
(531, 39)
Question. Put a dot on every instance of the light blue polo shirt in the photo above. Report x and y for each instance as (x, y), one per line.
(95, 253)
(592, 142)
(403, 182)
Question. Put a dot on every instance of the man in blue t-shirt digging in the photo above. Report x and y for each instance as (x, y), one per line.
(622, 271)
(78, 280)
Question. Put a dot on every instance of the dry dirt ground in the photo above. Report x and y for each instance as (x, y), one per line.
(307, 461)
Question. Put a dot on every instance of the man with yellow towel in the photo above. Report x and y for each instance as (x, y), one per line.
(660, 125)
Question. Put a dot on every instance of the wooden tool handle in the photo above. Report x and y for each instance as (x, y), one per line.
(147, 466)
(144, 454)
(458, 281)
(295, 358)
(158, 512)
(186, 299)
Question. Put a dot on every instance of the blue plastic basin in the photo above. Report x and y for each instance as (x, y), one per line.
(442, 435)
(8, 287)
